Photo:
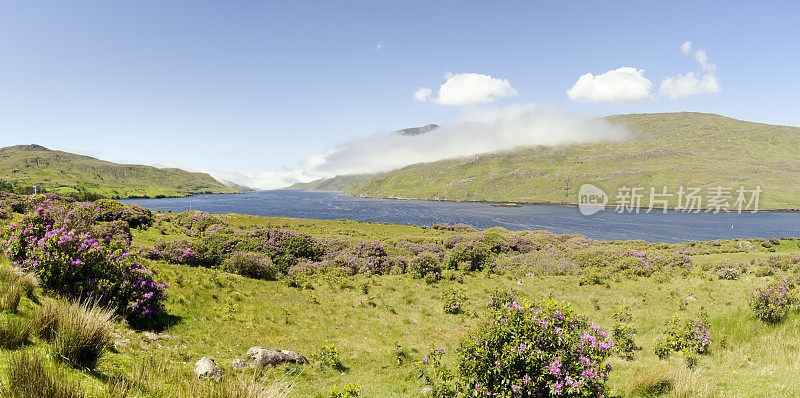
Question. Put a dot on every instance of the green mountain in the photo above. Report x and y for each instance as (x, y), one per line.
(87, 178)
(664, 150)
(412, 131)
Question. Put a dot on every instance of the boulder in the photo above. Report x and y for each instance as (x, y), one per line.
(206, 367)
(239, 364)
(264, 357)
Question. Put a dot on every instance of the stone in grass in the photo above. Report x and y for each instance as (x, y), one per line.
(265, 357)
(239, 364)
(206, 367)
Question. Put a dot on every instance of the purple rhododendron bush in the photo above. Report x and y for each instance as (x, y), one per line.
(526, 350)
(77, 256)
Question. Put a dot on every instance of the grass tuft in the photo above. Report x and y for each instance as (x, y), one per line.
(28, 377)
(9, 299)
(14, 333)
(79, 332)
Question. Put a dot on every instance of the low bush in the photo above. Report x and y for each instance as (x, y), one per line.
(424, 264)
(683, 335)
(470, 255)
(195, 222)
(728, 273)
(328, 357)
(623, 333)
(251, 265)
(545, 348)
(72, 262)
(454, 300)
(133, 215)
(186, 252)
(770, 303)
(365, 258)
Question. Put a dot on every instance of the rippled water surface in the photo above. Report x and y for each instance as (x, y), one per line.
(605, 225)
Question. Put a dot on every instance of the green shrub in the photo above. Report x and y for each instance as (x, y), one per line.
(545, 348)
(252, 265)
(424, 264)
(471, 255)
(623, 333)
(454, 301)
(28, 377)
(328, 357)
(683, 335)
(770, 303)
(349, 390)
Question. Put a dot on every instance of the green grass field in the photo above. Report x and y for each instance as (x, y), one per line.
(383, 325)
(664, 150)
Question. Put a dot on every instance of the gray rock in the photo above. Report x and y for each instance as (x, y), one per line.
(252, 351)
(206, 367)
(239, 364)
(150, 336)
(264, 357)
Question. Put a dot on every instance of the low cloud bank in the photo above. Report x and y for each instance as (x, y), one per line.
(478, 130)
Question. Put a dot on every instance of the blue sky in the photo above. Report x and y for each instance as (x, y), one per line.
(250, 87)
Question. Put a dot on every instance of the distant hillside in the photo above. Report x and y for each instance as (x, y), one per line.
(83, 176)
(412, 131)
(666, 149)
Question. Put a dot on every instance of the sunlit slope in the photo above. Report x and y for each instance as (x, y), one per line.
(664, 149)
(67, 173)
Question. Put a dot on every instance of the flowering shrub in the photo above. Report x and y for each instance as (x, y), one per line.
(728, 273)
(456, 227)
(251, 265)
(431, 248)
(623, 333)
(772, 302)
(543, 349)
(116, 233)
(194, 222)
(136, 216)
(364, 258)
(469, 255)
(286, 248)
(186, 252)
(687, 335)
(454, 301)
(424, 264)
(77, 264)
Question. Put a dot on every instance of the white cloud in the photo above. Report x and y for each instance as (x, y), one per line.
(691, 83)
(478, 130)
(379, 47)
(617, 85)
(422, 94)
(681, 86)
(702, 59)
(462, 89)
(686, 47)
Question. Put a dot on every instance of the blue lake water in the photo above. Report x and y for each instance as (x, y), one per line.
(605, 225)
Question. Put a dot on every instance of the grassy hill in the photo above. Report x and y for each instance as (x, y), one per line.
(665, 149)
(83, 176)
